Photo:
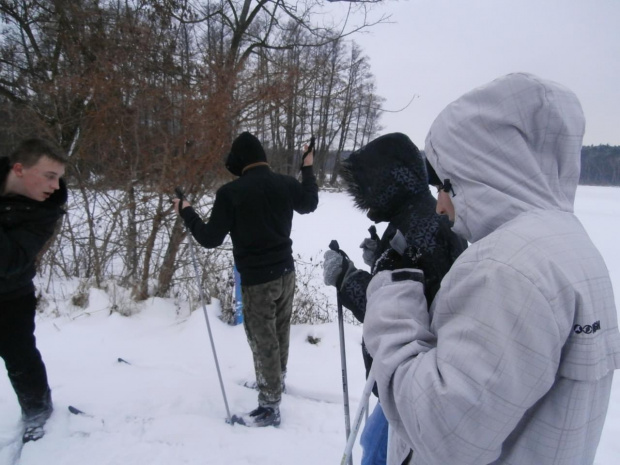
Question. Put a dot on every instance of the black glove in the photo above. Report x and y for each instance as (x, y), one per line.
(392, 260)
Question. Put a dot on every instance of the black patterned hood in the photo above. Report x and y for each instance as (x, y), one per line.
(388, 177)
(385, 175)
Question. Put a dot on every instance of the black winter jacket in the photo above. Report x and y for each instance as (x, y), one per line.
(25, 226)
(388, 178)
(257, 210)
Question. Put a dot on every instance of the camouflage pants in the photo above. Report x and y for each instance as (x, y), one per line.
(267, 312)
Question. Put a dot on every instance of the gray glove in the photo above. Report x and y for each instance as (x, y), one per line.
(333, 264)
(369, 253)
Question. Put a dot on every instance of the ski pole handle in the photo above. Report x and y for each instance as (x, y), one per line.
(310, 148)
(373, 233)
(333, 245)
(180, 195)
(307, 152)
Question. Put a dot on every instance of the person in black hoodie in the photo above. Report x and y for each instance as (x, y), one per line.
(388, 179)
(257, 210)
(32, 194)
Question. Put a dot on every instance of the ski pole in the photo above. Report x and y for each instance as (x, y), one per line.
(362, 407)
(181, 197)
(343, 358)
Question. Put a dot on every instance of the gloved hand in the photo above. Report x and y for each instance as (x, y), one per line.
(334, 267)
(369, 253)
(392, 260)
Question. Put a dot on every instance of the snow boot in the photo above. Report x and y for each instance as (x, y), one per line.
(33, 425)
(265, 416)
(33, 433)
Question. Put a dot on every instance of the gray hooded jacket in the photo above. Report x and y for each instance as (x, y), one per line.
(514, 362)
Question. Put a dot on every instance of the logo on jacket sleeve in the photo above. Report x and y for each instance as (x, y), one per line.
(587, 329)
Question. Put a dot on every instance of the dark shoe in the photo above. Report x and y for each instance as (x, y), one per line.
(33, 425)
(33, 433)
(265, 416)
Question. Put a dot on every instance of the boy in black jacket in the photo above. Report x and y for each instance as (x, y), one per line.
(32, 194)
(257, 211)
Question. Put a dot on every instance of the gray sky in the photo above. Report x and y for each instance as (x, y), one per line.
(440, 49)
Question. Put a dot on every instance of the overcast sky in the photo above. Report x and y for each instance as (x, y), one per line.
(440, 49)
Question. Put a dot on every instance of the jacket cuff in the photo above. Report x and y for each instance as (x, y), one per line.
(387, 277)
(187, 214)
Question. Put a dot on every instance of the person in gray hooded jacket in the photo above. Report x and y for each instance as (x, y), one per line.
(514, 362)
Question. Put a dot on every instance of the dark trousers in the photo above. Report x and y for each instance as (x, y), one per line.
(22, 359)
(267, 310)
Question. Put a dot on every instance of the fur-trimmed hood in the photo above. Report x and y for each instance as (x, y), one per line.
(386, 175)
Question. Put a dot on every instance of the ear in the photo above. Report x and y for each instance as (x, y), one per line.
(18, 169)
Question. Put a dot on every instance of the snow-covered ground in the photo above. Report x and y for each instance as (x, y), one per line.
(166, 406)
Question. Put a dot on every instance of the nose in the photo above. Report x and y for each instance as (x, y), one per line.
(56, 184)
(441, 207)
(441, 210)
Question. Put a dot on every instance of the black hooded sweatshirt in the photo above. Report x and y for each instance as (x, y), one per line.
(25, 226)
(388, 178)
(257, 210)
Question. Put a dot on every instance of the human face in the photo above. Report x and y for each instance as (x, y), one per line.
(445, 205)
(40, 180)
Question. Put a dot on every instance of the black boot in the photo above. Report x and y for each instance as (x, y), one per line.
(266, 416)
(34, 420)
(34, 426)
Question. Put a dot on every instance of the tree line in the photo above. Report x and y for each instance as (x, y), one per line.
(145, 95)
(600, 165)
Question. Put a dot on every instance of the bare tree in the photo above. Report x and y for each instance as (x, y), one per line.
(145, 95)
